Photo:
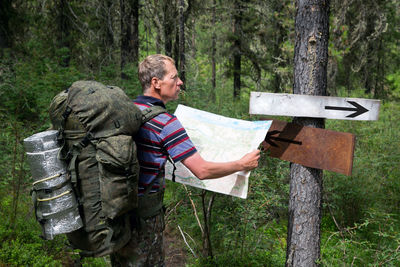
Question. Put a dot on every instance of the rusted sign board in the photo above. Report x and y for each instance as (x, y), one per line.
(311, 147)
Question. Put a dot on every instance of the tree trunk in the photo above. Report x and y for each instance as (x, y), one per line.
(63, 30)
(182, 58)
(193, 41)
(207, 248)
(310, 78)
(213, 51)
(129, 33)
(169, 25)
(380, 70)
(176, 56)
(107, 34)
(237, 55)
(5, 31)
(279, 34)
(369, 69)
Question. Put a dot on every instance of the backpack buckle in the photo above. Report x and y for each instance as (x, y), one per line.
(86, 140)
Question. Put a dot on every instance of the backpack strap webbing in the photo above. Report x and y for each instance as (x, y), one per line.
(148, 114)
(150, 204)
(151, 112)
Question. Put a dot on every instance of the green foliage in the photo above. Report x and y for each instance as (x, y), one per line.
(373, 242)
(21, 244)
(374, 182)
(394, 83)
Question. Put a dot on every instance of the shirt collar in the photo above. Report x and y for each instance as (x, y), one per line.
(149, 100)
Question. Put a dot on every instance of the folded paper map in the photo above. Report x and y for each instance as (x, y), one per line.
(219, 139)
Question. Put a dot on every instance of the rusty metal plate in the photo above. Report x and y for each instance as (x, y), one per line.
(311, 147)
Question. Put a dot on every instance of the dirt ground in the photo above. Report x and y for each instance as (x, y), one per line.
(175, 252)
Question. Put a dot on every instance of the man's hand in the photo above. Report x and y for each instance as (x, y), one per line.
(208, 170)
(250, 160)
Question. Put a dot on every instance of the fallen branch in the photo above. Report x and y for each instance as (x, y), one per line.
(184, 239)
(194, 209)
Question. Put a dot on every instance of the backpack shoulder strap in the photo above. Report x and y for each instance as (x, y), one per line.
(151, 112)
(148, 114)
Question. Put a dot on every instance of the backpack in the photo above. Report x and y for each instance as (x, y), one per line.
(96, 125)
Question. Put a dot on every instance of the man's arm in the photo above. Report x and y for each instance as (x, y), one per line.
(208, 170)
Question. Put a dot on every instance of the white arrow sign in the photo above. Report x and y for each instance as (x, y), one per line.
(314, 106)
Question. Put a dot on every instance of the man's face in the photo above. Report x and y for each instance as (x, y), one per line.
(170, 84)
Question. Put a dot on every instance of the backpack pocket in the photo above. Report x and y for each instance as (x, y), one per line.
(119, 174)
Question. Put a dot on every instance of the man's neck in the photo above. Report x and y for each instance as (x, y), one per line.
(154, 94)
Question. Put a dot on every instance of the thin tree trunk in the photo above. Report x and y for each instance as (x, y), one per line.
(129, 33)
(169, 25)
(279, 34)
(380, 70)
(207, 248)
(369, 69)
(5, 31)
(158, 42)
(193, 38)
(310, 78)
(63, 30)
(176, 56)
(182, 58)
(213, 51)
(237, 56)
(107, 33)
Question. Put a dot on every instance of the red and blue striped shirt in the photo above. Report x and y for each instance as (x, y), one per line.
(157, 139)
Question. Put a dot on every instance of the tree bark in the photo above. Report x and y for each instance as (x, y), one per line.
(207, 247)
(182, 59)
(213, 51)
(193, 40)
(108, 33)
(176, 56)
(5, 31)
(169, 25)
(237, 55)
(63, 30)
(310, 78)
(129, 32)
(279, 34)
(369, 69)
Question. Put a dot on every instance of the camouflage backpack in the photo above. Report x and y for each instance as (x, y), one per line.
(96, 126)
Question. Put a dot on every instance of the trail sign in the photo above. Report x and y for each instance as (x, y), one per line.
(311, 147)
(314, 106)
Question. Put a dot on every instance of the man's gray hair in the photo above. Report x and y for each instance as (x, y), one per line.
(152, 66)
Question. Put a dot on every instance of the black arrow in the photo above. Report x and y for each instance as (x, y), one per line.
(358, 109)
(269, 139)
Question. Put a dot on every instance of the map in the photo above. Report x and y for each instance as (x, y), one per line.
(219, 139)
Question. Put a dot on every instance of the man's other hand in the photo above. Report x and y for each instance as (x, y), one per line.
(250, 160)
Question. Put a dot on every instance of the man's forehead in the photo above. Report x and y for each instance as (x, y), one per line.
(170, 67)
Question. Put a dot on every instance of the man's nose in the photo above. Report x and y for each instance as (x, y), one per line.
(179, 82)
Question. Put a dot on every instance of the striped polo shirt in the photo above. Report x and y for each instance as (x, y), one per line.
(157, 139)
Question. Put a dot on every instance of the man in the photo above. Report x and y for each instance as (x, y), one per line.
(161, 138)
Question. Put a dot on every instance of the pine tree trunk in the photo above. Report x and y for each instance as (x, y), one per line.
(182, 59)
(5, 31)
(207, 246)
(276, 49)
(237, 56)
(168, 26)
(213, 51)
(310, 78)
(129, 32)
(63, 30)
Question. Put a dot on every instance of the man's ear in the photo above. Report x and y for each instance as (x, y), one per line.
(155, 83)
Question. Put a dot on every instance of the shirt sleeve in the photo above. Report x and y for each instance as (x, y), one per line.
(176, 141)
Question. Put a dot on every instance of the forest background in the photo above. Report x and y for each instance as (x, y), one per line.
(223, 50)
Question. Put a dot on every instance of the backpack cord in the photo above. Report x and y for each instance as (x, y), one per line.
(173, 171)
